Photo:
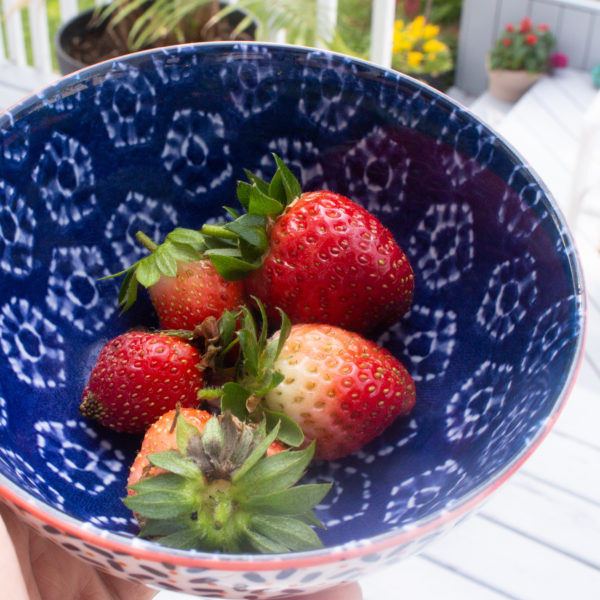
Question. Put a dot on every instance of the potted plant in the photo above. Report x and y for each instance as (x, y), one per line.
(124, 26)
(520, 56)
(418, 51)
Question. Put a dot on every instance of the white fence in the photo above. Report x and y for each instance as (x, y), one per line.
(575, 23)
(381, 46)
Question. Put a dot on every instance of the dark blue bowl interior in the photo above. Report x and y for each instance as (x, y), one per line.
(159, 140)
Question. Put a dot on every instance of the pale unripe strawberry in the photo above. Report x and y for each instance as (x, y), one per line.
(343, 390)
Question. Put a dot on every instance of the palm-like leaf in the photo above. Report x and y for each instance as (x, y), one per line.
(156, 19)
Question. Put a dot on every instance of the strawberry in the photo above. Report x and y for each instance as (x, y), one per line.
(215, 488)
(160, 436)
(183, 285)
(339, 388)
(195, 293)
(140, 375)
(343, 390)
(318, 256)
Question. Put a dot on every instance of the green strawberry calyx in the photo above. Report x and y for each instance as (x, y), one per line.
(240, 245)
(235, 247)
(221, 492)
(180, 245)
(256, 375)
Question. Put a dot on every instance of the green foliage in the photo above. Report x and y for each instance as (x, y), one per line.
(523, 47)
(221, 492)
(256, 376)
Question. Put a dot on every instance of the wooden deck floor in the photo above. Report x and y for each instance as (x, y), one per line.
(538, 537)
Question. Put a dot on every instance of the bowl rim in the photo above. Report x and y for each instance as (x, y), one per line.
(397, 536)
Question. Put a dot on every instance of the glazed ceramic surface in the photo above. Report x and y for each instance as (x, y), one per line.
(159, 139)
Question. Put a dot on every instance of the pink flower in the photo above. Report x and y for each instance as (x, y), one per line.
(531, 39)
(543, 27)
(559, 60)
(510, 27)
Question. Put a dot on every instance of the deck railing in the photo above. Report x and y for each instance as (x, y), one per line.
(13, 47)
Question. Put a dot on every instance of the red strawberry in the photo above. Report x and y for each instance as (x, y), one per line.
(196, 292)
(138, 376)
(330, 261)
(318, 256)
(160, 436)
(184, 286)
(341, 389)
(210, 483)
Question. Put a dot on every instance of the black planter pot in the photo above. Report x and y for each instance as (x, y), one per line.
(84, 24)
(70, 30)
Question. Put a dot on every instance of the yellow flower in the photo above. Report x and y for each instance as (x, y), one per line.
(399, 25)
(401, 42)
(430, 31)
(434, 46)
(414, 58)
(417, 26)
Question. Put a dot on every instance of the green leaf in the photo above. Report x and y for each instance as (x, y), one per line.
(311, 519)
(128, 290)
(164, 260)
(185, 538)
(243, 193)
(184, 431)
(276, 188)
(290, 432)
(147, 272)
(184, 252)
(260, 183)
(227, 327)
(174, 462)
(263, 204)
(270, 380)
(234, 214)
(249, 345)
(276, 472)
(259, 451)
(252, 228)
(275, 346)
(292, 533)
(290, 183)
(161, 497)
(231, 268)
(296, 500)
(188, 237)
(264, 544)
(234, 399)
(159, 527)
(212, 438)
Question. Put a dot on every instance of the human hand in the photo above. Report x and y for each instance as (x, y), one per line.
(349, 591)
(34, 568)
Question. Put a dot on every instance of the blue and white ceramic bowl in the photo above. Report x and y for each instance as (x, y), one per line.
(158, 139)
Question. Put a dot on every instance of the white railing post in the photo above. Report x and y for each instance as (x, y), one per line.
(382, 31)
(327, 11)
(40, 36)
(15, 39)
(68, 9)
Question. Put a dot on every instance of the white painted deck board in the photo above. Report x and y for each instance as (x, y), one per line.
(538, 536)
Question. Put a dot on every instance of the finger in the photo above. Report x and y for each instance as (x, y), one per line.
(122, 589)
(347, 591)
(13, 582)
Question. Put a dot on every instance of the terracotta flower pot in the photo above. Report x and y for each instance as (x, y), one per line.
(509, 86)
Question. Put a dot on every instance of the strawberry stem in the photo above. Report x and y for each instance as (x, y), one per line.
(146, 241)
(218, 231)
